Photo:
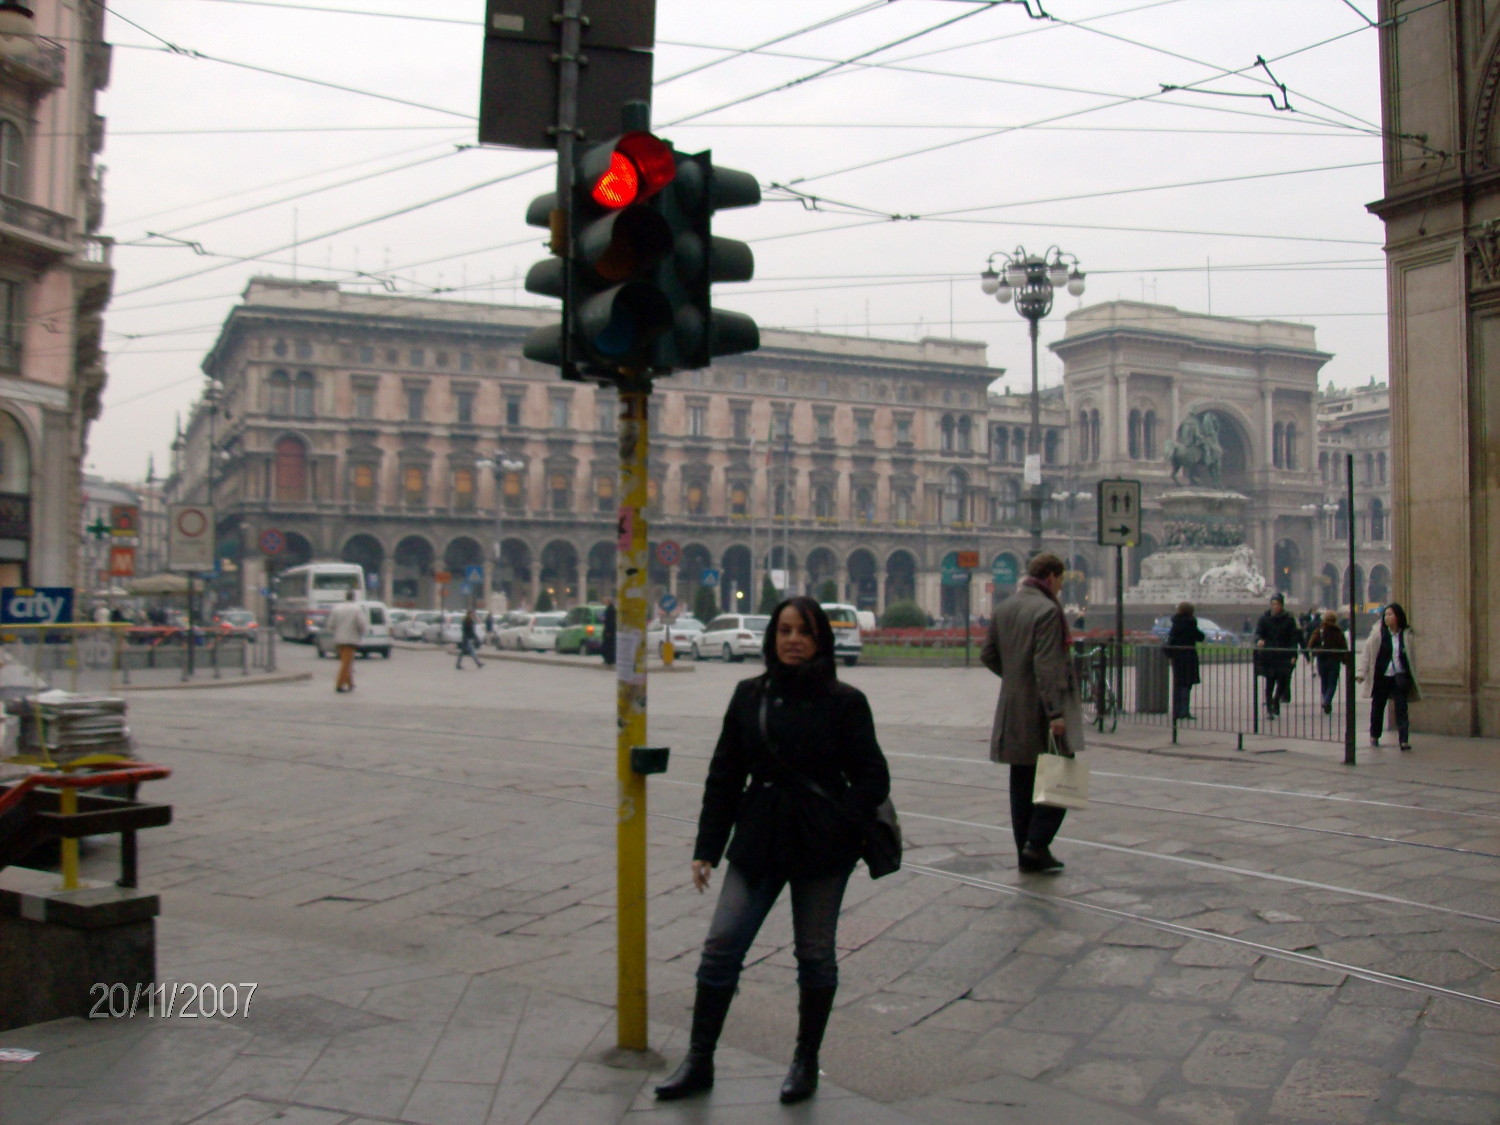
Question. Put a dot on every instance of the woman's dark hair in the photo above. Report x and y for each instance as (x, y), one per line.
(1395, 607)
(1185, 609)
(813, 614)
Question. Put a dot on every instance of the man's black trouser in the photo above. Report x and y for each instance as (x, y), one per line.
(1034, 825)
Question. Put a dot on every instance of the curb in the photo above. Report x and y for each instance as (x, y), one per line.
(226, 682)
(584, 662)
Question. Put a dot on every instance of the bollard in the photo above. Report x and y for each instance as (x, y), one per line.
(217, 673)
(67, 804)
(668, 652)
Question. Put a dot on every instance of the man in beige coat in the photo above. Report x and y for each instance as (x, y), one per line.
(347, 624)
(1027, 647)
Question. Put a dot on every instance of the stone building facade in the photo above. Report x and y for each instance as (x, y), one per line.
(55, 279)
(409, 435)
(1357, 422)
(1440, 74)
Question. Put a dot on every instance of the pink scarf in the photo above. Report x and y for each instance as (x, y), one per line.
(1062, 618)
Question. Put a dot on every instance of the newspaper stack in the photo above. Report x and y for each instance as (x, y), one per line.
(70, 725)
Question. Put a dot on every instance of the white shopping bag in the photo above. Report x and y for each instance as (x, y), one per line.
(1061, 781)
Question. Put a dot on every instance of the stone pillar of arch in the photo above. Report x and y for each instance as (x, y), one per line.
(879, 591)
(388, 583)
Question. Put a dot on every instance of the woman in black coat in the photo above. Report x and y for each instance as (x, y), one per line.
(792, 791)
(1182, 650)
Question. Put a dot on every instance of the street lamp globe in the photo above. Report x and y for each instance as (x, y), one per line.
(1075, 282)
(989, 281)
(1003, 293)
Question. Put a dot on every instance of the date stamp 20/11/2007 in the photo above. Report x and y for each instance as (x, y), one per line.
(183, 1000)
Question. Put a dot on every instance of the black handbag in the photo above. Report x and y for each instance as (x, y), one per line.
(881, 849)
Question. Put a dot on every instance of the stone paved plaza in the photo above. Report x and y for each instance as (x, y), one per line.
(420, 878)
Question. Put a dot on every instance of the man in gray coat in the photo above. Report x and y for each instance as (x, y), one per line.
(1027, 647)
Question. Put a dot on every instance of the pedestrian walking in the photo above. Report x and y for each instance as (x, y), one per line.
(1388, 671)
(1277, 639)
(1027, 647)
(607, 642)
(792, 790)
(346, 621)
(1183, 639)
(1324, 646)
(468, 641)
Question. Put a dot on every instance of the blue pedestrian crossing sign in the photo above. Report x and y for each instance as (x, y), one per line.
(709, 577)
(473, 575)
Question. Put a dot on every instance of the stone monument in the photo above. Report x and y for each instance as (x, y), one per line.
(1204, 558)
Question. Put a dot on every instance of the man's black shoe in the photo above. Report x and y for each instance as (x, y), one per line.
(1039, 861)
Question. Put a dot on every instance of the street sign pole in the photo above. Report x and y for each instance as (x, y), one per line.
(1120, 628)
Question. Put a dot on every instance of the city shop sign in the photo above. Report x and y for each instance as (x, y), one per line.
(40, 605)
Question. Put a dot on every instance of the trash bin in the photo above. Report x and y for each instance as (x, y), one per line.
(1151, 680)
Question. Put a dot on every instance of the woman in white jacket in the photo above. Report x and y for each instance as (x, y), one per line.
(1387, 673)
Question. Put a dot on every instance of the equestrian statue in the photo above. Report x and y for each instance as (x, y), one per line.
(1197, 450)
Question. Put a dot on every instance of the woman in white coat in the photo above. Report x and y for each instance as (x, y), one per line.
(1387, 673)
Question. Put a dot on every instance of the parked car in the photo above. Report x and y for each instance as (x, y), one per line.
(396, 617)
(1213, 633)
(540, 633)
(236, 622)
(445, 630)
(411, 629)
(377, 636)
(682, 632)
(583, 630)
(848, 644)
(732, 636)
(510, 628)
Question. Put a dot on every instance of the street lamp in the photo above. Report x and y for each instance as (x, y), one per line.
(500, 464)
(1031, 279)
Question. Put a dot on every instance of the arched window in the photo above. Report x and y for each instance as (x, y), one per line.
(1083, 436)
(1341, 521)
(1278, 447)
(279, 393)
(291, 469)
(1001, 452)
(864, 505)
(1323, 467)
(947, 429)
(965, 435)
(560, 488)
(1369, 469)
(1133, 435)
(463, 490)
(12, 160)
(1290, 456)
(1380, 466)
(1018, 448)
(823, 502)
(1051, 448)
(955, 490)
(304, 394)
(1148, 435)
(1377, 520)
(1094, 435)
(414, 486)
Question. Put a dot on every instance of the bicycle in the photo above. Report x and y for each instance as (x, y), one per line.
(1096, 687)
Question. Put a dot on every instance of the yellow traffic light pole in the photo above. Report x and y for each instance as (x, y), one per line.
(630, 714)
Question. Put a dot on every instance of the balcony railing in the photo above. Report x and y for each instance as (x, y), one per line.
(33, 220)
(34, 60)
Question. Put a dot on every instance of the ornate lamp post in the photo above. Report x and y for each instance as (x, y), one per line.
(1031, 279)
(500, 464)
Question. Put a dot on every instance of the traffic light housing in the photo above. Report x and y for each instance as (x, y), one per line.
(642, 258)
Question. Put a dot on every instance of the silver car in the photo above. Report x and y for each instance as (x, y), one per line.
(540, 633)
(682, 632)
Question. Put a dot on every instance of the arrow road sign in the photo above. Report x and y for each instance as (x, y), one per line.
(1119, 513)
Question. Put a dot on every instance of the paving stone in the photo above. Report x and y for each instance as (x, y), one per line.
(1237, 1059)
(1272, 1006)
(1296, 972)
(1203, 985)
(1204, 1108)
(1111, 966)
(1329, 1090)
(1067, 1012)
(1450, 1109)
(1147, 1029)
(1361, 1032)
(1118, 1083)
(1214, 955)
(1020, 978)
(1029, 1054)
(1452, 1060)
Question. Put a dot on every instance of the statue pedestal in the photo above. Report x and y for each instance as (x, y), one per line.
(1204, 558)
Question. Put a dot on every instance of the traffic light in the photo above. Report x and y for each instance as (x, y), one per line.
(642, 258)
(699, 258)
(616, 311)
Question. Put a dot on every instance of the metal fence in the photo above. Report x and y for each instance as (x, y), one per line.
(1241, 690)
(104, 658)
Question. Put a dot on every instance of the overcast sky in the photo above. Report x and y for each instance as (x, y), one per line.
(230, 153)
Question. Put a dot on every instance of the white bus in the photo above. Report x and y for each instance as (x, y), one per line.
(305, 594)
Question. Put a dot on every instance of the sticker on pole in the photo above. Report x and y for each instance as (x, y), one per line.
(1119, 513)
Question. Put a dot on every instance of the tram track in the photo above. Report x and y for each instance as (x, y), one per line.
(931, 871)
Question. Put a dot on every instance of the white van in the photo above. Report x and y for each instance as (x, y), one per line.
(848, 644)
(377, 636)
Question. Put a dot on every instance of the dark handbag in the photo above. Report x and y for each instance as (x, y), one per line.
(881, 848)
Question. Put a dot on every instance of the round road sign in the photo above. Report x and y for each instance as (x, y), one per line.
(191, 522)
(668, 552)
(272, 542)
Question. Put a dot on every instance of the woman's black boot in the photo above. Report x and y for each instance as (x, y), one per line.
(813, 1007)
(696, 1072)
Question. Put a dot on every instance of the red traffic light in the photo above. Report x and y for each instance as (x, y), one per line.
(639, 167)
